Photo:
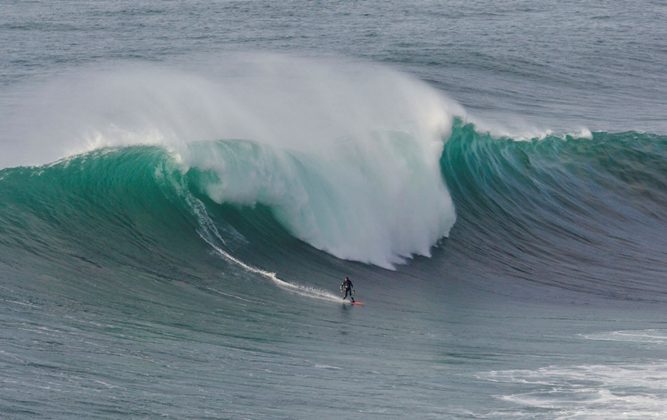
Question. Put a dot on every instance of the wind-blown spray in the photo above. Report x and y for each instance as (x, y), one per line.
(345, 154)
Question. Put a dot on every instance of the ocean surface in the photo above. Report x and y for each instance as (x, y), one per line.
(184, 186)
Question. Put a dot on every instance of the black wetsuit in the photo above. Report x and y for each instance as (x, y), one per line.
(347, 287)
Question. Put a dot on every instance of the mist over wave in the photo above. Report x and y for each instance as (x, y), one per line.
(345, 154)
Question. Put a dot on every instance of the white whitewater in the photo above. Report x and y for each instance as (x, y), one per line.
(347, 154)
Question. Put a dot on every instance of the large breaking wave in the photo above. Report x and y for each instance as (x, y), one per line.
(345, 155)
(355, 160)
(584, 214)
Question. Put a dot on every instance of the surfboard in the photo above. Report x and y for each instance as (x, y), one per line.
(357, 303)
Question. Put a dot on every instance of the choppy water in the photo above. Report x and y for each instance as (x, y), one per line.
(185, 185)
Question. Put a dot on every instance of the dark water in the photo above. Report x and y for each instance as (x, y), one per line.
(185, 186)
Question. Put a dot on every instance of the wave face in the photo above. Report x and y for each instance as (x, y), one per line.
(114, 193)
(585, 214)
(104, 208)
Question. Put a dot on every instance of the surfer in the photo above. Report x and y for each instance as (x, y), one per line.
(347, 286)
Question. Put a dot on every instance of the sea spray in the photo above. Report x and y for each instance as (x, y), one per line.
(345, 154)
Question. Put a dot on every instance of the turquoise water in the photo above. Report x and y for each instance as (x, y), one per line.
(184, 186)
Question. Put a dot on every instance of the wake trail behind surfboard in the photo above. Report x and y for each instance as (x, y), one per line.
(208, 231)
